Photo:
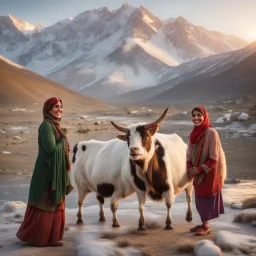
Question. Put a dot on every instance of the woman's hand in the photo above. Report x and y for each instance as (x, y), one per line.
(192, 172)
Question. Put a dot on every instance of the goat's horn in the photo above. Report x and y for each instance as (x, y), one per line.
(159, 120)
(120, 128)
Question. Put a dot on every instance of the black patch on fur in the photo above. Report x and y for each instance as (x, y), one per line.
(128, 138)
(105, 189)
(157, 174)
(154, 196)
(83, 147)
(140, 163)
(100, 199)
(74, 153)
(138, 182)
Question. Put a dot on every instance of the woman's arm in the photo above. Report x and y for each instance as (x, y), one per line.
(214, 147)
(47, 136)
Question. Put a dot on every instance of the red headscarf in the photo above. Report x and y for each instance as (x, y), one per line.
(198, 132)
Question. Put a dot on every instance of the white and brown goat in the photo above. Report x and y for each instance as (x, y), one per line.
(141, 161)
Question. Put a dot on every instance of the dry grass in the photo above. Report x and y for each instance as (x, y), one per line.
(246, 218)
(249, 203)
(152, 224)
(186, 248)
(137, 232)
(124, 243)
(109, 235)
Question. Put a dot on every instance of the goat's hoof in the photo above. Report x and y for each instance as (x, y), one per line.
(102, 219)
(141, 228)
(168, 227)
(79, 221)
(115, 225)
(189, 218)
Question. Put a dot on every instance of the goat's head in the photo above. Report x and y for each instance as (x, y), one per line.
(139, 137)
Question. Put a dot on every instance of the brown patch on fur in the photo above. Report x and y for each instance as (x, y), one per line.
(138, 182)
(145, 137)
(156, 174)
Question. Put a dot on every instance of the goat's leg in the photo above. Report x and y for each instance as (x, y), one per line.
(169, 198)
(189, 190)
(82, 192)
(142, 199)
(101, 202)
(113, 206)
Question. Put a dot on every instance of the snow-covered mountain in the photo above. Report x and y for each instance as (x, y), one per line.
(105, 52)
(222, 76)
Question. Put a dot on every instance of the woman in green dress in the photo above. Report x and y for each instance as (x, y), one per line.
(44, 219)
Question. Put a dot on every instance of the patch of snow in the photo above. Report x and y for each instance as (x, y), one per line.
(19, 109)
(6, 152)
(237, 243)
(13, 206)
(224, 118)
(206, 247)
(243, 116)
(236, 206)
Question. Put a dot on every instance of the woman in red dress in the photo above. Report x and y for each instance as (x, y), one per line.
(206, 163)
(44, 220)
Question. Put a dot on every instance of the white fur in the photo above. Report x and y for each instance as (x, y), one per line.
(109, 162)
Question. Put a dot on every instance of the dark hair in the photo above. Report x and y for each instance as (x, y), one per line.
(197, 109)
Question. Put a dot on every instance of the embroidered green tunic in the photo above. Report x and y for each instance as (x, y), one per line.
(50, 181)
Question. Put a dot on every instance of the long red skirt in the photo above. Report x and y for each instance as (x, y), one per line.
(42, 228)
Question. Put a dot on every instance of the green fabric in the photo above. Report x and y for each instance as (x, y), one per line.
(50, 170)
(48, 105)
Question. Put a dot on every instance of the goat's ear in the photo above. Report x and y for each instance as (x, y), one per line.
(153, 129)
(122, 137)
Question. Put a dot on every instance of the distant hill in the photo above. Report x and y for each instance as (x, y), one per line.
(19, 85)
(224, 76)
(234, 83)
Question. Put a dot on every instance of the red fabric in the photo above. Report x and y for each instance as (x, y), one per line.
(42, 228)
(198, 132)
(48, 104)
(210, 163)
(189, 164)
(210, 185)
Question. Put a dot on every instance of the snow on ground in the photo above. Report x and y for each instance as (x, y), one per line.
(238, 244)
(206, 247)
(86, 237)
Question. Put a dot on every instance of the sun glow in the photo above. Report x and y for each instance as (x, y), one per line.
(252, 34)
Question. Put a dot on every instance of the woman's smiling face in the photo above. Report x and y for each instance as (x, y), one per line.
(57, 110)
(197, 118)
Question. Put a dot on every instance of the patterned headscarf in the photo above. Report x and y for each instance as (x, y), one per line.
(198, 132)
(61, 132)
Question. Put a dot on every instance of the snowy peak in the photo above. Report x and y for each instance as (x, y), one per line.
(23, 25)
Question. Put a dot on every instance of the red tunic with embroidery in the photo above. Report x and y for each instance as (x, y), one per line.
(207, 155)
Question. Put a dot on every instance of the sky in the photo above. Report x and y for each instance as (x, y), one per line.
(236, 17)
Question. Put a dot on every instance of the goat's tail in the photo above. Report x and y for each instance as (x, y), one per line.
(76, 165)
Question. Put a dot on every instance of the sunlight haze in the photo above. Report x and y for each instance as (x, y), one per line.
(234, 17)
